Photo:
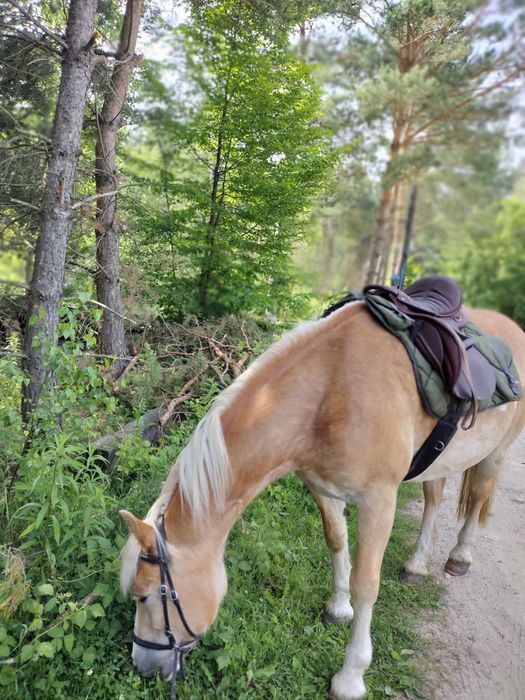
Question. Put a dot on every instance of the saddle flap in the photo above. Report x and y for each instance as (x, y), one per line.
(441, 349)
(483, 378)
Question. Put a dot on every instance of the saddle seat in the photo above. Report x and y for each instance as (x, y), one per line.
(435, 304)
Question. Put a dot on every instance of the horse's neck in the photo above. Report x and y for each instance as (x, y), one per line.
(263, 427)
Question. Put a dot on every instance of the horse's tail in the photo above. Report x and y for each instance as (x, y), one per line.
(471, 494)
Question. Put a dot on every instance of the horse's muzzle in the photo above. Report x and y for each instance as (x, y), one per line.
(148, 661)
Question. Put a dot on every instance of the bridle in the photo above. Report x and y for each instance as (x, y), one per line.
(179, 650)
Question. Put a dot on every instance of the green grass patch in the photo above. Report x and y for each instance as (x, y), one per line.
(268, 641)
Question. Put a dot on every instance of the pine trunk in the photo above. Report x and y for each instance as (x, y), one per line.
(381, 240)
(112, 339)
(56, 218)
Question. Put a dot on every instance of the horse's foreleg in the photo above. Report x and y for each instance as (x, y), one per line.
(474, 504)
(375, 516)
(416, 567)
(338, 608)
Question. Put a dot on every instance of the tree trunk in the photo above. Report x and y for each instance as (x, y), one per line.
(398, 230)
(56, 218)
(217, 194)
(381, 239)
(112, 340)
(329, 236)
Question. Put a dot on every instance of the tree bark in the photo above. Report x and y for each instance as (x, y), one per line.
(398, 230)
(107, 226)
(329, 238)
(381, 240)
(56, 217)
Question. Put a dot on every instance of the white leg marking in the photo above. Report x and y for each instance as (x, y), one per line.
(418, 563)
(463, 550)
(338, 607)
(348, 683)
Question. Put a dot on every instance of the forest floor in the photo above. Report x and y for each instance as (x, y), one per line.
(477, 641)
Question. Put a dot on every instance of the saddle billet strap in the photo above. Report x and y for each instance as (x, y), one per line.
(436, 442)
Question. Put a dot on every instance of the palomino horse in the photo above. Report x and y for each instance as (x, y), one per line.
(336, 402)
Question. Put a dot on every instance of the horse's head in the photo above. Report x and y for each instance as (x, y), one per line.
(177, 589)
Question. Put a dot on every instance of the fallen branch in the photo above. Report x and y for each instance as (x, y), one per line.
(125, 371)
(112, 311)
(10, 283)
(154, 424)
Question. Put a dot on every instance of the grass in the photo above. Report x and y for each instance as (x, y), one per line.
(268, 641)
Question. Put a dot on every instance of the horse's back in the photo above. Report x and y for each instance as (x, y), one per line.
(497, 428)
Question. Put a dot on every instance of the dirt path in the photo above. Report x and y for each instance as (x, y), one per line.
(478, 642)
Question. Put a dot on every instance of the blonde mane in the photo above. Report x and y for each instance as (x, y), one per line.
(202, 470)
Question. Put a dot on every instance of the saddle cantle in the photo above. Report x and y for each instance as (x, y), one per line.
(436, 305)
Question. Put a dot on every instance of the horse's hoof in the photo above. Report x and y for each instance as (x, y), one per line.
(457, 568)
(411, 579)
(329, 619)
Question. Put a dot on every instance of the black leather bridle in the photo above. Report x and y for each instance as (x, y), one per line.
(166, 585)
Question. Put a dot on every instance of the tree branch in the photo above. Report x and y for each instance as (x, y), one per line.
(112, 311)
(39, 24)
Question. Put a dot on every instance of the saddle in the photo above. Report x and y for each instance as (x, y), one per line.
(472, 367)
(435, 304)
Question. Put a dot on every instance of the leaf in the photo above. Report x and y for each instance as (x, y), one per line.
(4, 651)
(46, 649)
(80, 617)
(407, 652)
(223, 661)
(26, 653)
(50, 605)
(89, 656)
(45, 589)
(265, 672)
(394, 654)
(97, 610)
(387, 690)
(69, 640)
(56, 632)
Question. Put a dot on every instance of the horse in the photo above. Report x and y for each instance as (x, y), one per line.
(334, 401)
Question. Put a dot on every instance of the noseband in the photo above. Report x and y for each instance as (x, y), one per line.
(179, 650)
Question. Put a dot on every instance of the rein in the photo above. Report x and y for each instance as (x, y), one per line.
(166, 585)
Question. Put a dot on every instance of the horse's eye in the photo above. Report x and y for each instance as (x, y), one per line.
(143, 599)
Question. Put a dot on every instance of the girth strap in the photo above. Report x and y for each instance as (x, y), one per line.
(435, 443)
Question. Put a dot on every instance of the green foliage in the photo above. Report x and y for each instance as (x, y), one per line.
(251, 157)
(490, 262)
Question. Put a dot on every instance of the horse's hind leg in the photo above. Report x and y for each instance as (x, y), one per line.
(338, 608)
(475, 500)
(417, 566)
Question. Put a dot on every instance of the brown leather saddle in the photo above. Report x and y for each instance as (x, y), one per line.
(435, 304)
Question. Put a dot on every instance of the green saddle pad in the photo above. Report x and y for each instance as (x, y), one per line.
(434, 393)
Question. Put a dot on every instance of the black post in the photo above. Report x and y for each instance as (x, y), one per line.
(399, 279)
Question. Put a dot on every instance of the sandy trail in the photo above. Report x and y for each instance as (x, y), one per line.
(478, 640)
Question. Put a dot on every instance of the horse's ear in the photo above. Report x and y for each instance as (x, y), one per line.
(142, 531)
